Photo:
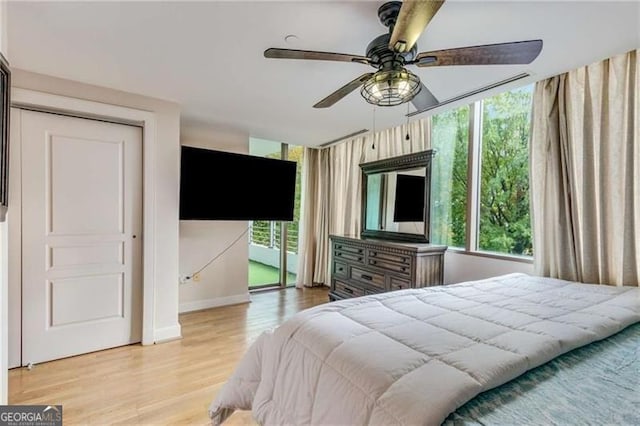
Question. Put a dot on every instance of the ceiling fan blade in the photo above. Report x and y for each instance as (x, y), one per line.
(343, 91)
(424, 99)
(412, 20)
(517, 52)
(276, 53)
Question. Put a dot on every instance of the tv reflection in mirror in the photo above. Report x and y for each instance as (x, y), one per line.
(409, 202)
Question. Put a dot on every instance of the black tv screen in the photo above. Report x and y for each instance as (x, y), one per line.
(216, 185)
(409, 202)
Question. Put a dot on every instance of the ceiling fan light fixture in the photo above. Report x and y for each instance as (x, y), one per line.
(390, 88)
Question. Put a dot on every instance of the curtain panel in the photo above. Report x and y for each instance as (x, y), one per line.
(331, 191)
(585, 173)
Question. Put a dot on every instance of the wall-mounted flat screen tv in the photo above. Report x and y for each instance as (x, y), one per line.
(409, 202)
(216, 185)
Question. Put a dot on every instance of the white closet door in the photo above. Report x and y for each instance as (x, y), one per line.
(81, 241)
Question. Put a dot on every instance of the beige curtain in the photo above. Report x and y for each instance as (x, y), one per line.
(585, 173)
(331, 191)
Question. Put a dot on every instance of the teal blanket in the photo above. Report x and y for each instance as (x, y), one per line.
(598, 384)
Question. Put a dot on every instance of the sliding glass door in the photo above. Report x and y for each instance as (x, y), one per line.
(271, 263)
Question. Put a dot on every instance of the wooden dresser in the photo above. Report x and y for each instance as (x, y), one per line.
(366, 266)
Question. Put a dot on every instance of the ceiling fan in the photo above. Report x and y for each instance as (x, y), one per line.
(393, 84)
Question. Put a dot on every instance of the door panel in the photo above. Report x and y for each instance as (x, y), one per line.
(81, 222)
(106, 253)
(85, 299)
(75, 167)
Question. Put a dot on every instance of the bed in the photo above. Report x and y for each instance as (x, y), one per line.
(421, 356)
(596, 384)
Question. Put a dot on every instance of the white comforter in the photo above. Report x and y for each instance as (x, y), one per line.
(413, 356)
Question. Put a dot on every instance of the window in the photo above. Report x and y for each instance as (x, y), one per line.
(450, 139)
(295, 154)
(480, 175)
(505, 225)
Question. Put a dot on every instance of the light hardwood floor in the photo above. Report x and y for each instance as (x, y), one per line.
(169, 383)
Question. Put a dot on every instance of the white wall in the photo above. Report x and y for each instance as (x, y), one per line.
(459, 267)
(4, 312)
(167, 174)
(4, 29)
(226, 281)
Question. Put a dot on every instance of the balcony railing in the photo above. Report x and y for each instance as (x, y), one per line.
(267, 234)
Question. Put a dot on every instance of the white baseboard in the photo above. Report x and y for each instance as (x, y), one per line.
(198, 305)
(167, 333)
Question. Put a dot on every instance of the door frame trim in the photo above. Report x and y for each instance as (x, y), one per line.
(46, 102)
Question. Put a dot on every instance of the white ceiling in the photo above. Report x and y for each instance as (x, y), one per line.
(208, 55)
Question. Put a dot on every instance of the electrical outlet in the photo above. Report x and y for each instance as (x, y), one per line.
(196, 278)
(185, 279)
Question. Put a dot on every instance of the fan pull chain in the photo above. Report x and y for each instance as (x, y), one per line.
(407, 137)
(373, 144)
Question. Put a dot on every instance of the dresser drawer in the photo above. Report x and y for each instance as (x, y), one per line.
(339, 269)
(369, 277)
(398, 284)
(391, 257)
(345, 248)
(342, 288)
(404, 269)
(348, 256)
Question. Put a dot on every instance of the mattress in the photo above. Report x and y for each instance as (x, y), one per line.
(415, 356)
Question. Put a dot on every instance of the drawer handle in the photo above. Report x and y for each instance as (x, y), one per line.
(338, 254)
(340, 269)
(359, 259)
(359, 250)
(348, 290)
(373, 254)
(373, 262)
(339, 247)
(404, 269)
(366, 277)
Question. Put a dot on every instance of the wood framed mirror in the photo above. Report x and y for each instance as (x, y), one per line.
(396, 198)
